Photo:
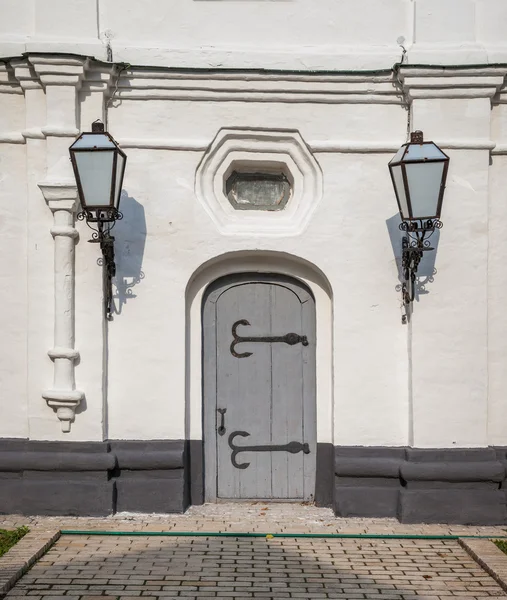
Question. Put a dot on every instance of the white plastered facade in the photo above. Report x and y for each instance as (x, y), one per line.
(334, 111)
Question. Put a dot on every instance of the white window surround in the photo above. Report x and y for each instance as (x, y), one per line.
(267, 147)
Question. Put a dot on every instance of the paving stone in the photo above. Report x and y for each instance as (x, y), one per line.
(90, 567)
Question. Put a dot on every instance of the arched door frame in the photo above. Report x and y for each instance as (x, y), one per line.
(313, 278)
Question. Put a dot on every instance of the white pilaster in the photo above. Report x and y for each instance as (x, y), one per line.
(63, 396)
(13, 249)
(449, 342)
(61, 78)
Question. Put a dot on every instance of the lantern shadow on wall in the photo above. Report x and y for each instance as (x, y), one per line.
(130, 242)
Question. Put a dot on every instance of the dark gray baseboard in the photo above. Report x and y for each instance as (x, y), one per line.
(461, 485)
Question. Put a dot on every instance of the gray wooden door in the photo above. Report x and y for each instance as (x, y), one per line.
(259, 393)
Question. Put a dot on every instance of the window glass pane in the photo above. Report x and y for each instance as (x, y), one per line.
(258, 191)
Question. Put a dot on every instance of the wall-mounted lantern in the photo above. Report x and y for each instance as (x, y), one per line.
(99, 166)
(418, 171)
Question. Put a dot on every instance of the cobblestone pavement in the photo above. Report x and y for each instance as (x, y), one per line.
(127, 567)
(245, 517)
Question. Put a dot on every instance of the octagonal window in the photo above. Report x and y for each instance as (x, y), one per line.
(258, 191)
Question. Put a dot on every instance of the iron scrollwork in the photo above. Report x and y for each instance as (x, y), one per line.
(103, 221)
(414, 244)
(292, 447)
(289, 338)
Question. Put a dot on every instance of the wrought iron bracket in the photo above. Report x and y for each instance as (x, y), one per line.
(414, 245)
(103, 222)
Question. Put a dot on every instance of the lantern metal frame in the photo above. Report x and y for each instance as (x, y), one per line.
(417, 137)
(102, 218)
(418, 229)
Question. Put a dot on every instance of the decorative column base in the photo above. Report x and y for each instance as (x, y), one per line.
(64, 403)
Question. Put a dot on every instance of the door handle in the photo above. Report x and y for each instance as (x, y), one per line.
(221, 428)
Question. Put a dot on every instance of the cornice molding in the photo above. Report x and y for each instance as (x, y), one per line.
(469, 82)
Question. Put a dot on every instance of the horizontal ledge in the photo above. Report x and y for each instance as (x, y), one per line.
(499, 149)
(315, 146)
(56, 131)
(10, 89)
(56, 461)
(33, 134)
(429, 93)
(285, 97)
(259, 85)
(11, 138)
(385, 147)
(165, 144)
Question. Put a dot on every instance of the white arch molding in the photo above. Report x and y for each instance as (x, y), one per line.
(259, 262)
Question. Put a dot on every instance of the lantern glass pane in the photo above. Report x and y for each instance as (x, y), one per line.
(397, 157)
(400, 191)
(424, 181)
(92, 140)
(95, 173)
(120, 163)
(423, 152)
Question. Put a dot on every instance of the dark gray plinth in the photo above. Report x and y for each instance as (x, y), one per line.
(459, 486)
(462, 485)
(367, 481)
(92, 478)
(150, 476)
(458, 506)
(324, 476)
(194, 472)
(56, 478)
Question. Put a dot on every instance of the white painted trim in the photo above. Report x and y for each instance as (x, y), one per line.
(260, 262)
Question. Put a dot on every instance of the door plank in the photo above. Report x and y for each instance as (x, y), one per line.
(287, 395)
(244, 388)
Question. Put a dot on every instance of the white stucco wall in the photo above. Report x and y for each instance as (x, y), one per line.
(294, 34)
(437, 381)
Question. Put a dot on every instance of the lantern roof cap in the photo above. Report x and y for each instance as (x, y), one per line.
(89, 141)
(418, 150)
